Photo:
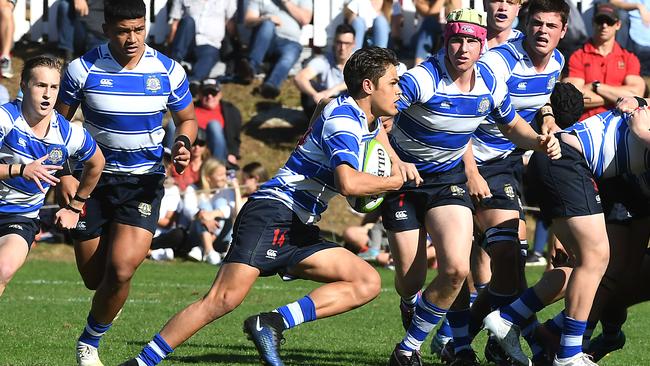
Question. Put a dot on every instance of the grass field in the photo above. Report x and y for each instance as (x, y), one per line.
(45, 306)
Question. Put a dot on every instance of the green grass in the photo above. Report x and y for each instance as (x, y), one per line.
(45, 306)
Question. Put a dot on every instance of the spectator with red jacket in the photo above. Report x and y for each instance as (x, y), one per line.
(602, 70)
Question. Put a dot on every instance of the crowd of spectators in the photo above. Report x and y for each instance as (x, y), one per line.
(607, 49)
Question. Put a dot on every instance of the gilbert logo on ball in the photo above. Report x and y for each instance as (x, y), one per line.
(374, 160)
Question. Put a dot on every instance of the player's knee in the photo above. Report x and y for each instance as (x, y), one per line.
(221, 303)
(596, 257)
(502, 240)
(6, 273)
(369, 285)
(123, 274)
(455, 274)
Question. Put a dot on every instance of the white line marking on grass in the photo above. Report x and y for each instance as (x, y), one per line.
(165, 284)
(79, 299)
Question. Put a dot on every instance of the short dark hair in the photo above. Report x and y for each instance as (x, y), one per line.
(117, 10)
(568, 104)
(39, 61)
(549, 6)
(343, 28)
(256, 170)
(367, 63)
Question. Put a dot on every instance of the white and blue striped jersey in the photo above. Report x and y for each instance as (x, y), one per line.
(305, 183)
(124, 109)
(19, 145)
(437, 120)
(609, 146)
(515, 34)
(529, 90)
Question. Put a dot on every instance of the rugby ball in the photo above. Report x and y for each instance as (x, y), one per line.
(374, 160)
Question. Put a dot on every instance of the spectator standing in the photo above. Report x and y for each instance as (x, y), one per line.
(197, 30)
(277, 28)
(323, 75)
(79, 26)
(602, 70)
(6, 37)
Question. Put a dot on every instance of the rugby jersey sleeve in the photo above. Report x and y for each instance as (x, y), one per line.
(341, 139)
(71, 91)
(6, 122)
(417, 85)
(81, 146)
(180, 96)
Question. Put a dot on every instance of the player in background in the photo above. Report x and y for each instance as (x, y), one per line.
(275, 232)
(35, 141)
(530, 66)
(601, 147)
(124, 88)
(443, 101)
(501, 15)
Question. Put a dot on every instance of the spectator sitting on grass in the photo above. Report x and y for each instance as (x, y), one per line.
(253, 174)
(211, 204)
(323, 75)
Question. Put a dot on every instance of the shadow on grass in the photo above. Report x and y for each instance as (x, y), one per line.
(276, 125)
(233, 355)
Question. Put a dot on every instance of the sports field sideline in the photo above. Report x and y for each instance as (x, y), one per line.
(46, 300)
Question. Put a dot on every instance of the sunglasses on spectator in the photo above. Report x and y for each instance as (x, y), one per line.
(608, 21)
(199, 143)
(211, 92)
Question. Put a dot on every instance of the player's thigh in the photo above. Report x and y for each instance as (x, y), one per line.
(451, 229)
(583, 234)
(491, 217)
(13, 252)
(128, 247)
(409, 251)
(333, 265)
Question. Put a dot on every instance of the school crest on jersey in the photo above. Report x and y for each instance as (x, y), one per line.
(153, 83)
(55, 155)
(551, 83)
(483, 105)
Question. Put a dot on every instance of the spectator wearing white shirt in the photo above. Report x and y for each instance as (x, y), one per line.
(197, 30)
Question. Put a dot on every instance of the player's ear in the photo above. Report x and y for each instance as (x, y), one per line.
(368, 86)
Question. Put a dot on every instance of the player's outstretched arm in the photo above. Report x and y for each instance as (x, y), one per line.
(351, 182)
(522, 135)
